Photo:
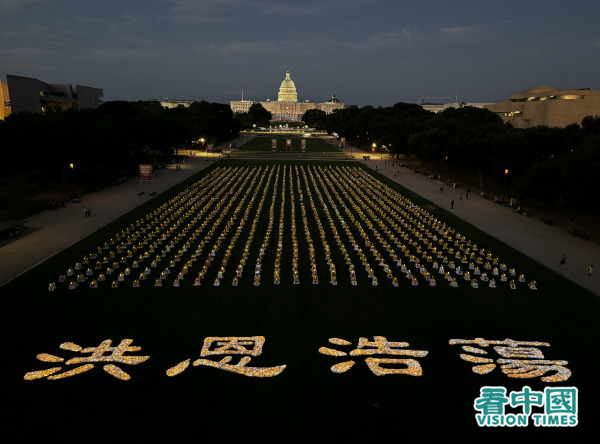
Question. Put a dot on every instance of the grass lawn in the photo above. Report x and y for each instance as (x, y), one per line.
(263, 143)
(316, 213)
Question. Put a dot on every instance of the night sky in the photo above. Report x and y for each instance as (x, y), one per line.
(367, 52)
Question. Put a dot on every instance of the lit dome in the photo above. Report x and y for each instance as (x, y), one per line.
(287, 90)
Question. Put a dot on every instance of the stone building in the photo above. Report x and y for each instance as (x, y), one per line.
(287, 108)
(549, 106)
(4, 100)
(438, 108)
(173, 103)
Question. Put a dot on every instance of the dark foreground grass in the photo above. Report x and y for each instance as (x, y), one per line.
(307, 400)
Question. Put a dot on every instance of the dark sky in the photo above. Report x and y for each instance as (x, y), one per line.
(367, 52)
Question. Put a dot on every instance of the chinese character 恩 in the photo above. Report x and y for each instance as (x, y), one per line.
(219, 346)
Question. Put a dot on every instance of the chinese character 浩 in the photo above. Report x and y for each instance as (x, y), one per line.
(380, 346)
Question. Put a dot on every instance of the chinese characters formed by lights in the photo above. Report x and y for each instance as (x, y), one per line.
(520, 359)
(97, 356)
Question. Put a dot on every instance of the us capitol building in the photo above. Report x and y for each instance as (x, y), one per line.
(287, 108)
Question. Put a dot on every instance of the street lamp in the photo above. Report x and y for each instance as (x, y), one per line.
(202, 146)
(505, 177)
(72, 166)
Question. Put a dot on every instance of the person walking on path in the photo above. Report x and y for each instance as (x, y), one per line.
(563, 261)
(85, 212)
(467, 193)
(590, 269)
(452, 204)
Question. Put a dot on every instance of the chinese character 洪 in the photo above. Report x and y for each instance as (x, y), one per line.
(97, 354)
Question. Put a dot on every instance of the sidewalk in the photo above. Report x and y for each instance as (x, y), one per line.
(544, 243)
(49, 232)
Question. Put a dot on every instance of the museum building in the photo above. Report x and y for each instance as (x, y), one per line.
(32, 95)
(549, 106)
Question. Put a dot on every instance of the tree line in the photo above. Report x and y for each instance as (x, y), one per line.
(547, 164)
(553, 165)
(107, 142)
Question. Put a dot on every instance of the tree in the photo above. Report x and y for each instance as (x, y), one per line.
(256, 115)
(590, 125)
(315, 118)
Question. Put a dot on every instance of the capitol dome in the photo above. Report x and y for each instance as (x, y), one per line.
(287, 90)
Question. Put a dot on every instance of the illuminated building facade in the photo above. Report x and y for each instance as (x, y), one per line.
(545, 105)
(173, 103)
(4, 100)
(287, 108)
(438, 108)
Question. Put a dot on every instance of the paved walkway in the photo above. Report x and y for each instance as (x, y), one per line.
(544, 243)
(49, 232)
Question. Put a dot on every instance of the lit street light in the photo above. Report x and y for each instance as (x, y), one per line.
(72, 166)
(505, 177)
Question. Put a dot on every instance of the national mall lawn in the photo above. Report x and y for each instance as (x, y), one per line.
(294, 227)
